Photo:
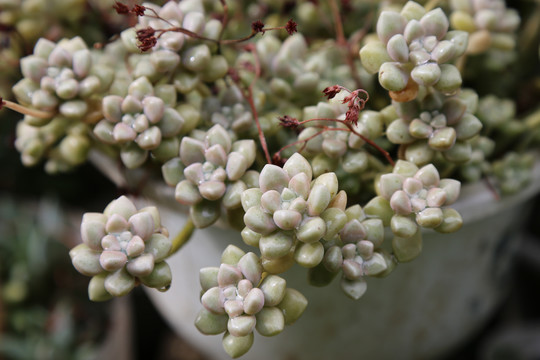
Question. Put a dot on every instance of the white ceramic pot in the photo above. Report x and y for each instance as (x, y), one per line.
(423, 309)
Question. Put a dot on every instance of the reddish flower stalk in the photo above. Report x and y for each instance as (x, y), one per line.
(342, 40)
(338, 24)
(303, 142)
(256, 27)
(225, 19)
(247, 94)
(349, 128)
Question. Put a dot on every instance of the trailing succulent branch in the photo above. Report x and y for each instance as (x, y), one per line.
(255, 125)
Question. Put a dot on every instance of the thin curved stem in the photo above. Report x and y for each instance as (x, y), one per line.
(26, 111)
(351, 129)
(182, 237)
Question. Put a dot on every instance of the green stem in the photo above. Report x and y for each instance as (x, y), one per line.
(183, 236)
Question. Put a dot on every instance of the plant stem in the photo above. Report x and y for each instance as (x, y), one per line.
(338, 24)
(352, 130)
(248, 96)
(27, 111)
(262, 139)
(225, 19)
(183, 236)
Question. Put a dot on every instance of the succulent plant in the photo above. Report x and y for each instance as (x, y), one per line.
(356, 253)
(478, 166)
(490, 24)
(411, 198)
(435, 124)
(173, 51)
(414, 49)
(61, 78)
(210, 172)
(288, 215)
(121, 248)
(226, 100)
(63, 143)
(513, 172)
(141, 122)
(229, 110)
(238, 298)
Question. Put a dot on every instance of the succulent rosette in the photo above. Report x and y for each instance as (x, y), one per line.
(121, 248)
(337, 149)
(410, 199)
(295, 73)
(496, 113)
(513, 172)
(357, 253)
(62, 79)
(142, 122)
(33, 19)
(62, 143)
(165, 50)
(415, 49)
(239, 298)
(288, 214)
(435, 124)
(478, 166)
(229, 110)
(490, 24)
(210, 172)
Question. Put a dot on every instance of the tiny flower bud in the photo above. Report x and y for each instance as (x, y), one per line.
(291, 26)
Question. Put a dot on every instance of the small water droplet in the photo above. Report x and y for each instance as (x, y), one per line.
(165, 288)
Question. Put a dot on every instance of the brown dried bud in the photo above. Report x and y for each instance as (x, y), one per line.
(291, 26)
(331, 91)
(351, 116)
(138, 10)
(120, 8)
(146, 38)
(257, 27)
(288, 122)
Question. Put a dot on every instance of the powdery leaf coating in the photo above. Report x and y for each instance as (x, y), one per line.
(270, 321)
(297, 164)
(237, 346)
(236, 301)
(127, 244)
(417, 46)
(209, 323)
(273, 288)
(273, 178)
(353, 288)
